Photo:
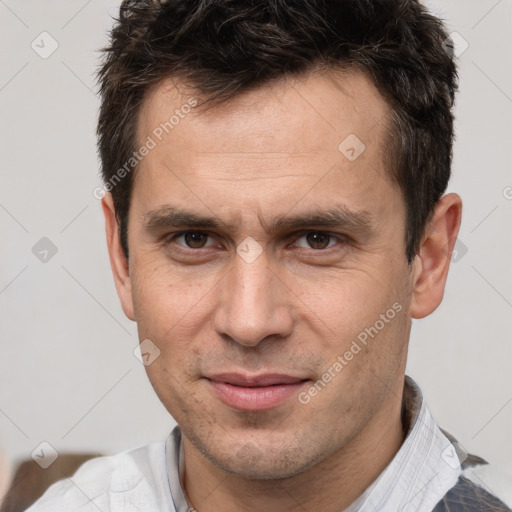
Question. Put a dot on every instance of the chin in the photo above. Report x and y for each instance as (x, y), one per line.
(261, 461)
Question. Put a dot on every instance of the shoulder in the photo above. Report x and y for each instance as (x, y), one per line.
(480, 487)
(130, 481)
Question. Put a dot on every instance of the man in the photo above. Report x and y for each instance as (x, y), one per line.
(274, 177)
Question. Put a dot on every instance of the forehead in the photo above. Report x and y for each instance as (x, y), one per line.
(265, 148)
(309, 113)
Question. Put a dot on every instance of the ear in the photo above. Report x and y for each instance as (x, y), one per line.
(431, 264)
(118, 261)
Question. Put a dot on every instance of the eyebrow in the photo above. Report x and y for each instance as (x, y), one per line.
(339, 216)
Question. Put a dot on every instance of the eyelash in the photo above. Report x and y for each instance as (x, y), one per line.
(340, 238)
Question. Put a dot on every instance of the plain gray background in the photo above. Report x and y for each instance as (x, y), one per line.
(68, 372)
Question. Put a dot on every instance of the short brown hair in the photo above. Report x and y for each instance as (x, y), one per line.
(224, 47)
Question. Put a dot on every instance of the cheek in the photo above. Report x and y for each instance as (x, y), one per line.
(366, 316)
(165, 299)
(363, 360)
(173, 312)
(351, 300)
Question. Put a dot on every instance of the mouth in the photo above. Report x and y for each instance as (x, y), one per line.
(254, 393)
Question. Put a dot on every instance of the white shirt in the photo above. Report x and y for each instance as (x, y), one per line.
(148, 479)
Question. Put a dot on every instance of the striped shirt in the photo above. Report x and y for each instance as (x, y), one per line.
(429, 473)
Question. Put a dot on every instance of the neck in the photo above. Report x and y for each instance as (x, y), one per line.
(330, 486)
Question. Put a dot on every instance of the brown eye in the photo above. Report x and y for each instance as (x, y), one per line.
(195, 240)
(318, 240)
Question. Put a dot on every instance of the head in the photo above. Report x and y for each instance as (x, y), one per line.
(275, 174)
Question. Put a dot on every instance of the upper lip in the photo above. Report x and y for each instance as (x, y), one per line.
(248, 381)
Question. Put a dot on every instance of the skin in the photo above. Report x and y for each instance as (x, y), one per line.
(267, 153)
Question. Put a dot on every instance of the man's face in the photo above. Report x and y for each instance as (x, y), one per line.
(247, 326)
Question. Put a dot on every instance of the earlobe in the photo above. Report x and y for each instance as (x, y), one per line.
(118, 261)
(431, 264)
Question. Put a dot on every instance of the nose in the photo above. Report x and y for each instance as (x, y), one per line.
(254, 304)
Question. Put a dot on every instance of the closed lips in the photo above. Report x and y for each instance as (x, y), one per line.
(255, 381)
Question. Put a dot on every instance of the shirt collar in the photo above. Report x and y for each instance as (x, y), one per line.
(423, 470)
(175, 469)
